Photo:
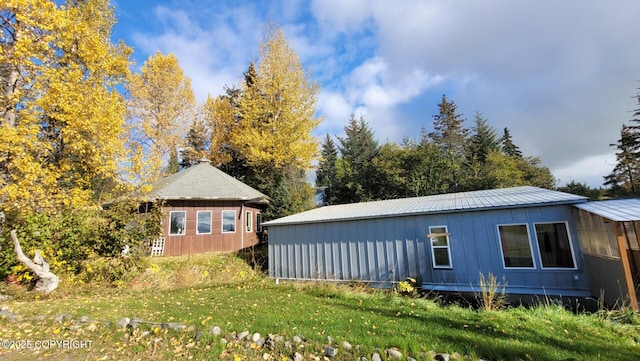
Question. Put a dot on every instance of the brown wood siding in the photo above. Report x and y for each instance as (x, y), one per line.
(193, 243)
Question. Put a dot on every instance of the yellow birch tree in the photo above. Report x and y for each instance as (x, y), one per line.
(62, 118)
(161, 109)
(277, 109)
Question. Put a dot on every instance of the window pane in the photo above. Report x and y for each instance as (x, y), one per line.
(439, 241)
(249, 220)
(204, 222)
(441, 257)
(228, 221)
(553, 242)
(516, 249)
(436, 230)
(177, 225)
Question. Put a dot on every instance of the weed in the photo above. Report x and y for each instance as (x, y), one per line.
(492, 294)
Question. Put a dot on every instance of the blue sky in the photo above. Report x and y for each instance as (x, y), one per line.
(559, 74)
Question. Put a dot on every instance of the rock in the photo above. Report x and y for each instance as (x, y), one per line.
(288, 344)
(260, 342)
(224, 341)
(330, 351)
(376, 357)
(180, 327)
(297, 357)
(394, 354)
(4, 308)
(169, 325)
(197, 336)
(84, 319)
(297, 339)
(443, 357)
(133, 324)
(266, 356)
(63, 317)
(271, 344)
(255, 337)
(145, 333)
(242, 335)
(329, 340)
(346, 345)
(39, 318)
(279, 339)
(456, 356)
(123, 322)
(215, 330)
(8, 315)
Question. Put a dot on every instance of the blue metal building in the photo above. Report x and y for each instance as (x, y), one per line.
(526, 236)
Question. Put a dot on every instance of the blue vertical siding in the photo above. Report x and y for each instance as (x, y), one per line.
(387, 250)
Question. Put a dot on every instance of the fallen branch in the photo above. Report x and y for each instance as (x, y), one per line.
(47, 281)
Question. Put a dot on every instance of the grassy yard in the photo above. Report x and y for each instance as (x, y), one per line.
(223, 291)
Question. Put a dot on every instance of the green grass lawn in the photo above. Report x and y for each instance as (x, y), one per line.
(223, 291)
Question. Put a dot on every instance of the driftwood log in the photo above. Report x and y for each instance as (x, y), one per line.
(47, 281)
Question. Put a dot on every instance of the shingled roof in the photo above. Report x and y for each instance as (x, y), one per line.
(204, 182)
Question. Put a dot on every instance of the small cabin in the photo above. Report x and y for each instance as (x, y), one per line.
(206, 210)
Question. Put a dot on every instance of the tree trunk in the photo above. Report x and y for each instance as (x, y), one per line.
(47, 281)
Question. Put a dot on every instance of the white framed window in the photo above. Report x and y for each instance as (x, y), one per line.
(258, 222)
(204, 222)
(248, 221)
(515, 244)
(554, 244)
(177, 224)
(440, 246)
(228, 221)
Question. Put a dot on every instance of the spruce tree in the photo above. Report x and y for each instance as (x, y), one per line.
(450, 136)
(196, 145)
(356, 172)
(327, 171)
(508, 147)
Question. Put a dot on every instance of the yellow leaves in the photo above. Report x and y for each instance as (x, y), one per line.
(278, 109)
(64, 127)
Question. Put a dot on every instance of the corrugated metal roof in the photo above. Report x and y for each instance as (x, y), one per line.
(617, 210)
(203, 181)
(442, 203)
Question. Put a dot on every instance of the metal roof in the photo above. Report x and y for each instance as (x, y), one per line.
(442, 203)
(617, 210)
(205, 182)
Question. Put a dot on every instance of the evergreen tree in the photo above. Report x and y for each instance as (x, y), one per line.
(624, 179)
(483, 141)
(327, 171)
(508, 147)
(173, 164)
(581, 189)
(356, 171)
(450, 136)
(196, 145)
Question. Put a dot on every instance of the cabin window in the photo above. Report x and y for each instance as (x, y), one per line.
(228, 221)
(177, 223)
(554, 245)
(204, 222)
(516, 246)
(440, 249)
(249, 221)
(259, 222)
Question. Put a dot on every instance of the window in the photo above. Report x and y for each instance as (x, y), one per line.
(259, 222)
(249, 221)
(440, 247)
(228, 221)
(554, 245)
(204, 222)
(178, 222)
(516, 246)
